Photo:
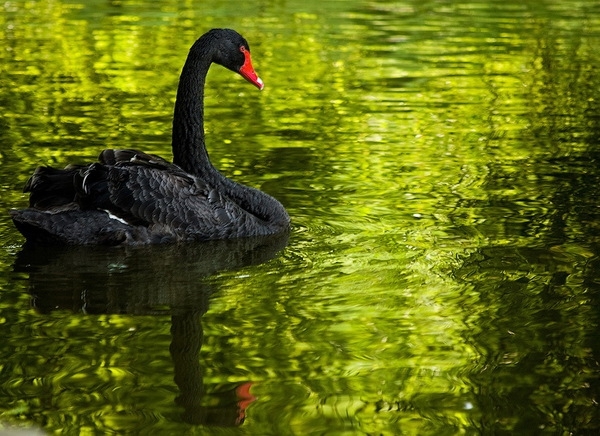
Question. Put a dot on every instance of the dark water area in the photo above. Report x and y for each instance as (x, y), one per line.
(439, 161)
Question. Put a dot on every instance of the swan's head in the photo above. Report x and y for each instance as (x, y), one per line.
(233, 52)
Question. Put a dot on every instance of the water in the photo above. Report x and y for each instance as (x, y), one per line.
(439, 161)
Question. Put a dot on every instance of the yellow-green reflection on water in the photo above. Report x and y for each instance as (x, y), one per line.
(438, 160)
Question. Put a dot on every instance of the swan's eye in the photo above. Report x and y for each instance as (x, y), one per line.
(242, 49)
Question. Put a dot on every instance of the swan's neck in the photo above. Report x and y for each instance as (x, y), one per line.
(189, 149)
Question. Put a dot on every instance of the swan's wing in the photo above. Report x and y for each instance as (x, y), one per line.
(52, 188)
(112, 156)
(164, 199)
(129, 196)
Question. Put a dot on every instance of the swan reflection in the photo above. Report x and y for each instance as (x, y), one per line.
(153, 280)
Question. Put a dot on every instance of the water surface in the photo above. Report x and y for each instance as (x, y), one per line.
(439, 162)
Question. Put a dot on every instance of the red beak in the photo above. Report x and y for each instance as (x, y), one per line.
(247, 70)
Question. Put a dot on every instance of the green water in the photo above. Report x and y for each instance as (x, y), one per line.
(439, 161)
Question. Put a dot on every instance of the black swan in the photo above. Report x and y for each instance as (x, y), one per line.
(130, 197)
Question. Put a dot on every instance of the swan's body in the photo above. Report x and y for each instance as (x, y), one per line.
(130, 197)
